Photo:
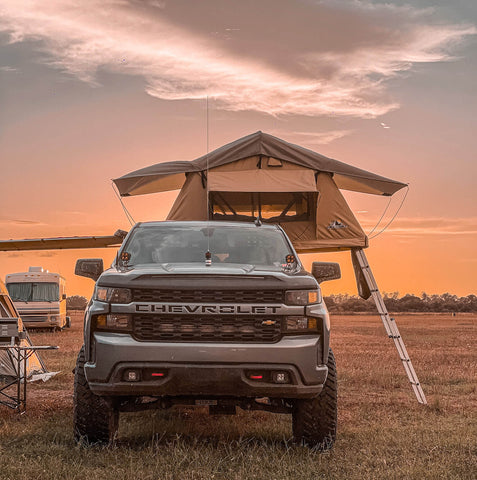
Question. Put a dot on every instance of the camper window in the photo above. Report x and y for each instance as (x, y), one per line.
(34, 292)
(273, 207)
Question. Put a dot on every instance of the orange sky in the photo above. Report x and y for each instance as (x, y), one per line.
(92, 90)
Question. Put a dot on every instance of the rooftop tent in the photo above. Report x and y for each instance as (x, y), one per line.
(261, 175)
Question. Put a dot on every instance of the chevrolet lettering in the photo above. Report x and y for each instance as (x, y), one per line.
(207, 309)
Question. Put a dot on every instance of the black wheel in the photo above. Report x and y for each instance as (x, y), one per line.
(68, 322)
(315, 419)
(95, 418)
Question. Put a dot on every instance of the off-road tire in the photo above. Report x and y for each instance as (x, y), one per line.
(95, 418)
(314, 420)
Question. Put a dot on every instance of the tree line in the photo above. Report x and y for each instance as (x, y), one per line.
(445, 303)
(350, 303)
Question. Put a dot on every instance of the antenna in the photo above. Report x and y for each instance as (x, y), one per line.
(208, 255)
(207, 155)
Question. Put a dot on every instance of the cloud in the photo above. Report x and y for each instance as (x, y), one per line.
(6, 68)
(316, 138)
(15, 255)
(16, 221)
(275, 56)
(430, 226)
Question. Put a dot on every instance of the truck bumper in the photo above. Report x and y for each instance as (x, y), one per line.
(43, 321)
(206, 369)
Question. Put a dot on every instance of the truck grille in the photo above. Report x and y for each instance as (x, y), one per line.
(167, 328)
(207, 296)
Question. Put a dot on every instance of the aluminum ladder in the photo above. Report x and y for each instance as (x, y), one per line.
(389, 324)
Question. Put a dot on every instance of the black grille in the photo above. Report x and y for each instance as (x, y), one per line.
(208, 296)
(169, 328)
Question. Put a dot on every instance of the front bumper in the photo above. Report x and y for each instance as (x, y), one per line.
(42, 321)
(206, 369)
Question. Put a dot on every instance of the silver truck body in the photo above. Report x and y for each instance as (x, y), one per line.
(232, 320)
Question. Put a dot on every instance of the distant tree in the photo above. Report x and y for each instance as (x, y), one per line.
(408, 303)
(76, 302)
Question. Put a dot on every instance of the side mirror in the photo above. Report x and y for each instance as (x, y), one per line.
(324, 271)
(63, 297)
(89, 267)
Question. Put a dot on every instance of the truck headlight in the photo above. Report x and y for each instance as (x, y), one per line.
(298, 323)
(302, 297)
(114, 321)
(113, 295)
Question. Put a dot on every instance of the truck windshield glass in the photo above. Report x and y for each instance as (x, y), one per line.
(186, 244)
(34, 292)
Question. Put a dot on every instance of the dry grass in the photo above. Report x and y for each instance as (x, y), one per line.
(383, 432)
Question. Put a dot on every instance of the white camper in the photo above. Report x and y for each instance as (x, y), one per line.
(40, 298)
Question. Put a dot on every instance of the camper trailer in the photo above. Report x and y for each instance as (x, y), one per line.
(40, 298)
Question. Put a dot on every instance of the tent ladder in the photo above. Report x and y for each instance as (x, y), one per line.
(390, 325)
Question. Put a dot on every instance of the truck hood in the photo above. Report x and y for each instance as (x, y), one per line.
(194, 275)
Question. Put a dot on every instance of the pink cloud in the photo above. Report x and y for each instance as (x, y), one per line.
(282, 57)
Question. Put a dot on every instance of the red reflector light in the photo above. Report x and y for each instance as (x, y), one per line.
(256, 377)
(157, 374)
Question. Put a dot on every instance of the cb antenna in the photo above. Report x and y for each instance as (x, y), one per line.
(208, 255)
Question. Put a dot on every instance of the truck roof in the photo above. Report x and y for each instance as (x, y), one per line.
(206, 223)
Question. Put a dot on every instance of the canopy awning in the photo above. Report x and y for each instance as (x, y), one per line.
(62, 243)
(171, 175)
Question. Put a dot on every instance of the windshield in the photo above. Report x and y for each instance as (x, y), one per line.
(34, 292)
(186, 244)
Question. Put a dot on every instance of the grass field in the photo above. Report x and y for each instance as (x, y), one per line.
(382, 432)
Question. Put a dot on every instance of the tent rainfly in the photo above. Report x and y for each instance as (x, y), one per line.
(263, 176)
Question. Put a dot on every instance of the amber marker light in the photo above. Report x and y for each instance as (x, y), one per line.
(101, 321)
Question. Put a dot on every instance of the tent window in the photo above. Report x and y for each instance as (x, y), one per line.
(270, 206)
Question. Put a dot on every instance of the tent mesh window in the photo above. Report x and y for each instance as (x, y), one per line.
(273, 207)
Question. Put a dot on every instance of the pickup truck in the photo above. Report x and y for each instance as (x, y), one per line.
(212, 313)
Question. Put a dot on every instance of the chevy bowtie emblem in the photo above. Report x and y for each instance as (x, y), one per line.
(269, 322)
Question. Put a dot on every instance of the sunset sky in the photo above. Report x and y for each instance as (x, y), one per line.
(91, 90)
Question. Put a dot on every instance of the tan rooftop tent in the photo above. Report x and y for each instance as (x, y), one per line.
(264, 177)
(261, 176)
